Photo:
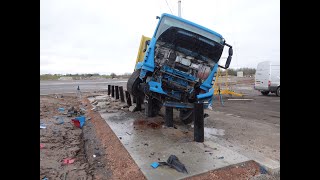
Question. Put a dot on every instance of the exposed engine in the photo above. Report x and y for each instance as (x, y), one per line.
(179, 61)
(179, 73)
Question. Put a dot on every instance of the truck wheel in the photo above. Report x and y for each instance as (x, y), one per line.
(186, 116)
(265, 93)
(278, 91)
(133, 83)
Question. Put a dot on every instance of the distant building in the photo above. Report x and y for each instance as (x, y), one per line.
(240, 74)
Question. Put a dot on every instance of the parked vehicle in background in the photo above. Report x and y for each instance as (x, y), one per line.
(267, 78)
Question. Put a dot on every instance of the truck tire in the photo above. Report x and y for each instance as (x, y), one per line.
(186, 116)
(133, 83)
(265, 93)
(278, 91)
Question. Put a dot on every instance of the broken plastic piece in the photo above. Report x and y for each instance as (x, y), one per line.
(41, 146)
(174, 162)
(155, 165)
(79, 121)
(68, 161)
(61, 109)
(76, 122)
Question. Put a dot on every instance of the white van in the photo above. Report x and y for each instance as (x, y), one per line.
(267, 78)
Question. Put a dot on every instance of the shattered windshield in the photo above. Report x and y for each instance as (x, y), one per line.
(168, 22)
(190, 40)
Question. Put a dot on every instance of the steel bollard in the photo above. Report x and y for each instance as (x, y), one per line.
(198, 130)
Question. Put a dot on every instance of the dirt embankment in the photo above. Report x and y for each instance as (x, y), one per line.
(60, 141)
(70, 152)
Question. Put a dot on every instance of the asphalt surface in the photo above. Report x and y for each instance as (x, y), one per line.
(261, 108)
(59, 87)
(249, 127)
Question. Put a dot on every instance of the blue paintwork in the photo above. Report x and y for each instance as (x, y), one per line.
(207, 84)
(179, 81)
(205, 95)
(156, 87)
(139, 65)
(179, 73)
(148, 60)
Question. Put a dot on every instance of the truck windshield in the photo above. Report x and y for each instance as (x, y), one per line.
(168, 22)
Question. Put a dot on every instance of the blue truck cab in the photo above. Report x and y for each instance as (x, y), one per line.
(179, 66)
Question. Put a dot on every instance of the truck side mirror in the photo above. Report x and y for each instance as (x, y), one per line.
(230, 51)
(228, 62)
(157, 17)
(229, 58)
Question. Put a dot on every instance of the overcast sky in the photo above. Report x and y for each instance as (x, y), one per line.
(103, 36)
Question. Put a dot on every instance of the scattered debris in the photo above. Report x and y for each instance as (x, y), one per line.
(102, 105)
(220, 157)
(59, 120)
(174, 162)
(129, 133)
(58, 142)
(120, 137)
(111, 111)
(152, 153)
(132, 108)
(82, 110)
(146, 144)
(42, 126)
(71, 111)
(76, 122)
(94, 155)
(263, 170)
(61, 109)
(79, 121)
(68, 161)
